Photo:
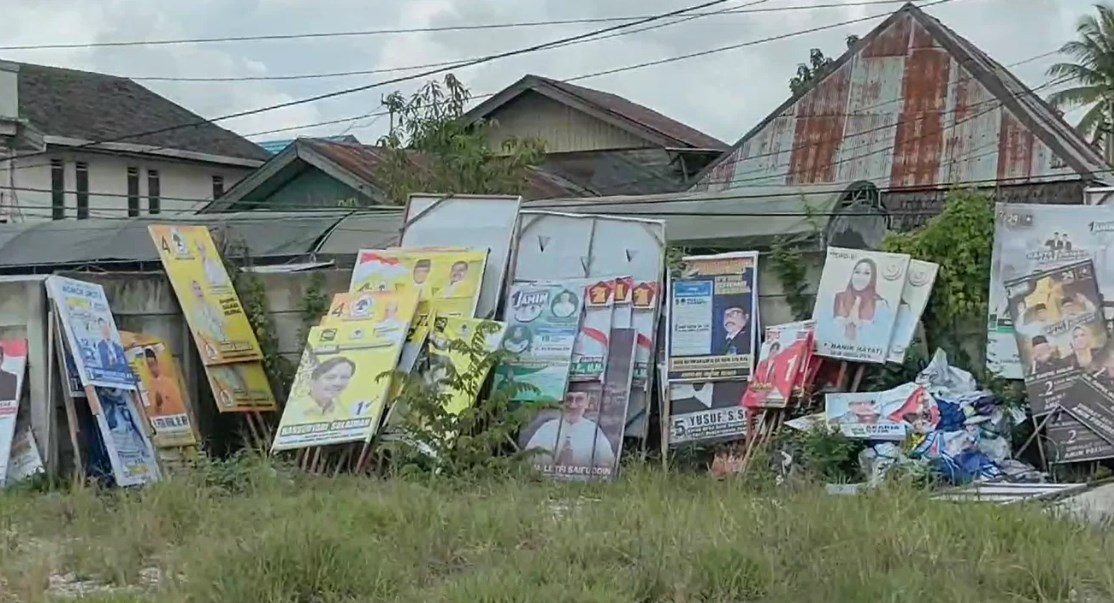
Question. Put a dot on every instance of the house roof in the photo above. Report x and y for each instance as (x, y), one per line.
(621, 171)
(274, 147)
(357, 166)
(97, 107)
(630, 116)
(1009, 94)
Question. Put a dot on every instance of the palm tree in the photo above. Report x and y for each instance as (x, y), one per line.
(1092, 75)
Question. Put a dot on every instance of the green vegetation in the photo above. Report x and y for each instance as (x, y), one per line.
(282, 536)
(1090, 73)
(430, 149)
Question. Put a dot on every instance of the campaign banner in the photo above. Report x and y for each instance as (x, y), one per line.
(160, 389)
(857, 302)
(589, 351)
(340, 391)
(205, 292)
(1073, 442)
(713, 308)
(91, 333)
(583, 439)
(784, 354)
(485, 334)
(130, 452)
(73, 377)
(644, 315)
(886, 415)
(447, 281)
(1060, 330)
(1033, 238)
(542, 325)
(13, 367)
(241, 387)
(388, 310)
(25, 460)
(919, 280)
(706, 412)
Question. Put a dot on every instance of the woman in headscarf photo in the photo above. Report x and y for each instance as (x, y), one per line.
(858, 308)
(1084, 352)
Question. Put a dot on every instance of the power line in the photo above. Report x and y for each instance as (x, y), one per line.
(423, 74)
(993, 103)
(490, 57)
(407, 30)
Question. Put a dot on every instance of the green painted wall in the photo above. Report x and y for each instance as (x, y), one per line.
(311, 188)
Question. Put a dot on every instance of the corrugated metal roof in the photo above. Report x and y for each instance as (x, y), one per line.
(911, 105)
(633, 117)
(754, 218)
(274, 147)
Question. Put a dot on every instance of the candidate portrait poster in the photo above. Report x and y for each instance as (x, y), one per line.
(782, 361)
(130, 452)
(339, 391)
(447, 281)
(160, 389)
(1032, 238)
(91, 333)
(209, 302)
(713, 316)
(857, 303)
(543, 320)
(583, 439)
(1059, 328)
(706, 412)
(885, 415)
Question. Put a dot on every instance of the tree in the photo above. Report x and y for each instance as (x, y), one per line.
(431, 149)
(1092, 74)
(817, 67)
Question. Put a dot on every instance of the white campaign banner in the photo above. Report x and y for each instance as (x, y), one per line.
(1033, 238)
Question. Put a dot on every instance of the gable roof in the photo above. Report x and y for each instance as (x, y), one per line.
(356, 165)
(629, 116)
(274, 147)
(96, 107)
(912, 34)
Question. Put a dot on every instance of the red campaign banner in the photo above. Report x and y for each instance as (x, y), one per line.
(785, 357)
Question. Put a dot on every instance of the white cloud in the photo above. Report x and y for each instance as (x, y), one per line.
(724, 94)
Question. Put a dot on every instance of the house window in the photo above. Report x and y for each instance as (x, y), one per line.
(133, 192)
(218, 187)
(153, 192)
(82, 181)
(57, 189)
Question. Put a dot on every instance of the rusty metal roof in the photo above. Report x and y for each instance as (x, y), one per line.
(635, 118)
(912, 105)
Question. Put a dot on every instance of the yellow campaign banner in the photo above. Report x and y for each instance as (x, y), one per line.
(337, 395)
(241, 387)
(447, 281)
(209, 303)
(441, 355)
(388, 308)
(165, 403)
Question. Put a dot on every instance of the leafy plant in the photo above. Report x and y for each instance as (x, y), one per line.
(431, 149)
(822, 453)
(959, 240)
(473, 442)
(817, 67)
(253, 297)
(788, 263)
(315, 303)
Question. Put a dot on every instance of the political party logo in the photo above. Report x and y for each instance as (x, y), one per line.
(528, 305)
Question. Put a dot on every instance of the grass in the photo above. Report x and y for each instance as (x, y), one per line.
(650, 537)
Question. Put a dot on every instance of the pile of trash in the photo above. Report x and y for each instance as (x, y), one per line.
(941, 425)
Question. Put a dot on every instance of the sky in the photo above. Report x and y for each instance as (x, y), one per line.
(722, 93)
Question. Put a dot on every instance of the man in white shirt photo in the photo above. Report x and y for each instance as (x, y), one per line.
(572, 439)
